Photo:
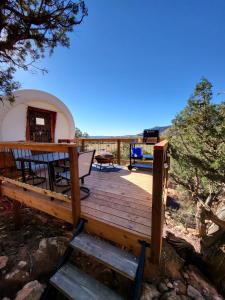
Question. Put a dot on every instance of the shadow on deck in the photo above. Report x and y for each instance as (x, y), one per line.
(121, 202)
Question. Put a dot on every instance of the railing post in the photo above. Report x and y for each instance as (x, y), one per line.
(75, 185)
(157, 205)
(118, 152)
(82, 145)
(0, 188)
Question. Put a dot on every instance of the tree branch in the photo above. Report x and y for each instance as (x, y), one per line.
(212, 217)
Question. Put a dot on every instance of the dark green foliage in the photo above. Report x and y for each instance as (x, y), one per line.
(7, 85)
(29, 29)
(79, 133)
(197, 144)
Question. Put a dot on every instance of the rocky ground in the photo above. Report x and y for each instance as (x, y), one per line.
(28, 255)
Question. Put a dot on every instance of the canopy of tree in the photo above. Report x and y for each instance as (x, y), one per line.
(197, 140)
(29, 28)
(79, 133)
(197, 145)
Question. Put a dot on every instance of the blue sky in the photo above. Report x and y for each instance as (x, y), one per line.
(133, 64)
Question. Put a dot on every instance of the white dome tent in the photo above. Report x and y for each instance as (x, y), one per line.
(35, 116)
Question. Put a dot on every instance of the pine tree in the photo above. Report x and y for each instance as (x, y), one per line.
(197, 145)
(28, 30)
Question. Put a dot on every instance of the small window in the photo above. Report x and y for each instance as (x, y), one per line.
(40, 121)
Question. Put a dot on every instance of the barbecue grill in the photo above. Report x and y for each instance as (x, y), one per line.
(150, 137)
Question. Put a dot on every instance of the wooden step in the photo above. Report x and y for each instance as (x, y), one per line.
(75, 284)
(115, 258)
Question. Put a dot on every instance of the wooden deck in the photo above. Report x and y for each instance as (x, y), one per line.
(120, 200)
(118, 208)
(124, 207)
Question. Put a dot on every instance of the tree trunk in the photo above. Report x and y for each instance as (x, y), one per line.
(200, 220)
(213, 247)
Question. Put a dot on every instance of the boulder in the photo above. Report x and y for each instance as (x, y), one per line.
(171, 295)
(149, 292)
(162, 287)
(31, 291)
(199, 282)
(194, 293)
(17, 275)
(22, 264)
(48, 254)
(3, 262)
(169, 285)
(180, 287)
(53, 245)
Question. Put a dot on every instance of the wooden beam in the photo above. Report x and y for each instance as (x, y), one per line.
(161, 145)
(102, 140)
(118, 151)
(36, 189)
(116, 234)
(0, 188)
(50, 147)
(38, 201)
(82, 146)
(75, 185)
(157, 201)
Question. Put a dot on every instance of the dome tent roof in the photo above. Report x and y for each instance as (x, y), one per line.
(33, 97)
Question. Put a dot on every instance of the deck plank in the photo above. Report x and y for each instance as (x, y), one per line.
(75, 284)
(122, 199)
(115, 258)
(124, 183)
(130, 208)
(117, 212)
(112, 219)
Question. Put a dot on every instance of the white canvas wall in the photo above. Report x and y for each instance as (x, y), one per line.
(13, 117)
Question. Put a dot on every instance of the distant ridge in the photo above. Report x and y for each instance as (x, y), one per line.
(162, 130)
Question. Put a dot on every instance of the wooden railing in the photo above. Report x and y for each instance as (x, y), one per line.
(16, 189)
(14, 186)
(118, 146)
(159, 195)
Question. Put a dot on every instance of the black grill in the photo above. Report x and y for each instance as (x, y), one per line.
(150, 136)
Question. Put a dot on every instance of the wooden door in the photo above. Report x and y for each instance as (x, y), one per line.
(40, 125)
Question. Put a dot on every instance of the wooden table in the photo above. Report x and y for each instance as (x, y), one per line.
(47, 159)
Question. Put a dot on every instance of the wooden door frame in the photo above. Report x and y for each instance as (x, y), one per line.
(53, 121)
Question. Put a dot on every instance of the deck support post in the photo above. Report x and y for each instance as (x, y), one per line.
(157, 203)
(75, 186)
(0, 188)
(82, 145)
(118, 152)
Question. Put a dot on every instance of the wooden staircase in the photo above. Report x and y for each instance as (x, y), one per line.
(76, 284)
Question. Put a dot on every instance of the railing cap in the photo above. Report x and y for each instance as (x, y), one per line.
(37, 146)
(161, 145)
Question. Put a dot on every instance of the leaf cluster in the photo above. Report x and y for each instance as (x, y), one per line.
(29, 29)
(197, 144)
(79, 133)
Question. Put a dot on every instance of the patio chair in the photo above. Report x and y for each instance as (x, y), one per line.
(85, 160)
(31, 169)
